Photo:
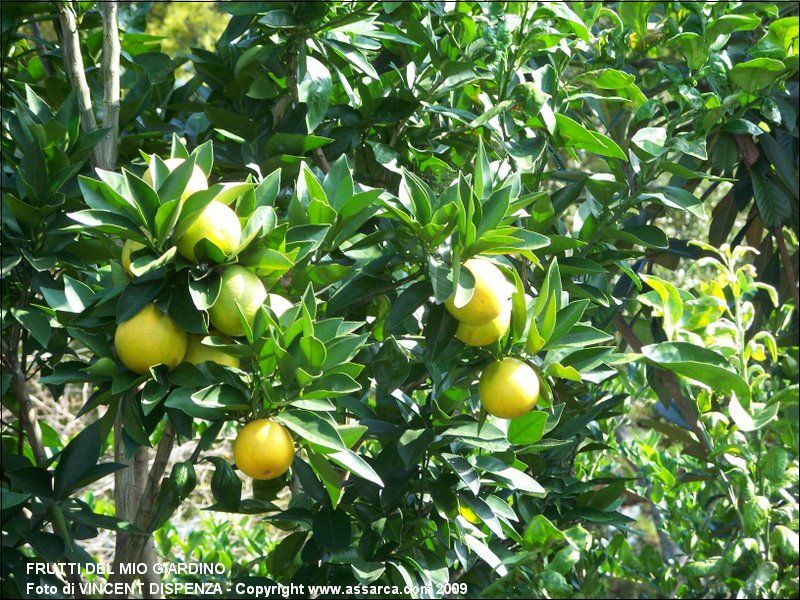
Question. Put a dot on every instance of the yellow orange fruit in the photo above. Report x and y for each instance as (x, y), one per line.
(128, 248)
(150, 338)
(488, 333)
(197, 353)
(508, 388)
(469, 514)
(263, 449)
(490, 294)
(197, 181)
(218, 224)
(237, 285)
(278, 304)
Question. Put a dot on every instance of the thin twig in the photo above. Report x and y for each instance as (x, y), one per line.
(394, 285)
(27, 417)
(279, 109)
(322, 162)
(627, 333)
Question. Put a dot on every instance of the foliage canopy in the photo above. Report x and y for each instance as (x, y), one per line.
(631, 170)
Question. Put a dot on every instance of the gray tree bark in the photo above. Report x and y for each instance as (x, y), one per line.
(140, 548)
(73, 62)
(125, 492)
(110, 67)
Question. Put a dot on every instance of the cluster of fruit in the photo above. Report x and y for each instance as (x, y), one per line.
(263, 448)
(508, 387)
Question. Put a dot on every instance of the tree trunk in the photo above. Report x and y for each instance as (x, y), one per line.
(125, 492)
(140, 548)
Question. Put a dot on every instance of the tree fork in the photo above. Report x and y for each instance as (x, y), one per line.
(136, 544)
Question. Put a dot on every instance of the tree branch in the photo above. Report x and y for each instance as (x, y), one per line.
(627, 333)
(40, 50)
(279, 108)
(394, 285)
(73, 61)
(748, 151)
(110, 68)
(155, 475)
(27, 415)
(149, 557)
(322, 162)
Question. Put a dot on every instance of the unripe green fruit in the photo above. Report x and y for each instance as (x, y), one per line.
(103, 367)
(237, 285)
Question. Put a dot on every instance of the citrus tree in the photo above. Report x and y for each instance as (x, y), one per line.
(405, 276)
